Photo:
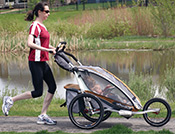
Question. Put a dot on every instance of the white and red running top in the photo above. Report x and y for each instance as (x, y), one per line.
(41, 38)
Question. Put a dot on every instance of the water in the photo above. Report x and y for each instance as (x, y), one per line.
(14, 71)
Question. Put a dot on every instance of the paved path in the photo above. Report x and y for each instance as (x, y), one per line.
(28, 124)
(9, 11)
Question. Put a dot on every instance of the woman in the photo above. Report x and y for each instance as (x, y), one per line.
(38, 41)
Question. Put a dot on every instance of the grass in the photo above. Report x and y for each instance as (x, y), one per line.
(33, 108)
(120, 129)
(18, 43)
(118, 28)
(139, 42)
(1, 11)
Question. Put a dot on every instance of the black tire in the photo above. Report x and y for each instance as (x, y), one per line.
(106, 115)
(78, 107)
(157, 119)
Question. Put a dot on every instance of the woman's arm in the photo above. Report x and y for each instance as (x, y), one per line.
(51, 47)
(34, 46)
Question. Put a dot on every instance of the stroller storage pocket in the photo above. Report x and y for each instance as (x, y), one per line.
(69, 96)
(72, 91)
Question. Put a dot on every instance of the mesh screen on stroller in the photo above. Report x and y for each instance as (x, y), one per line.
(103, 87)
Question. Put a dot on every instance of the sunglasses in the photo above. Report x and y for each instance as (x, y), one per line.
(46, 11)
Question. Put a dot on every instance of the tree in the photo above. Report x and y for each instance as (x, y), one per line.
(164, 14)
(31, 3)
(51, 2)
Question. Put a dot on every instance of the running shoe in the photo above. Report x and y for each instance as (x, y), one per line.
(45, 120)
(7, 104)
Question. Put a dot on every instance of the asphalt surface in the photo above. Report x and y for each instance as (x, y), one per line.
(28, 124)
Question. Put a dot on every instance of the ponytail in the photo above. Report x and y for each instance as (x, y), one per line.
(30, 14)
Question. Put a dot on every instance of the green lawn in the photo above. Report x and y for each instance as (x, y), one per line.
(118, 129)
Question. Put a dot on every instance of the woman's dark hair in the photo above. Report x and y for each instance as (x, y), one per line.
(30, 14)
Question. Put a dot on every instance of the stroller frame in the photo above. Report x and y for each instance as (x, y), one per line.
(88, 109)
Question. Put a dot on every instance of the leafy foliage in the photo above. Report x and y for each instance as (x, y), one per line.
(109, 29)
(31, 3)
(164, 15)
(68, 30)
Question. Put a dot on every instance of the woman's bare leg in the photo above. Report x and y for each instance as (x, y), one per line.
(23, 96)
(46, 103)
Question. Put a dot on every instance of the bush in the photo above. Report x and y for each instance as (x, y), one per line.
(169, 83)
(142, 22)
(65, 29)
(141, 86)
(109, 29)
(164, 16)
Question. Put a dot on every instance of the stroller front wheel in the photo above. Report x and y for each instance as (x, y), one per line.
(157, 119)
(83, 108)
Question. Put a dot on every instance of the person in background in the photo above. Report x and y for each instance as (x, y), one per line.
(38, 42)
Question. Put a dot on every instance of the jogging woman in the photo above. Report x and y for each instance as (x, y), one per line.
(38, 42)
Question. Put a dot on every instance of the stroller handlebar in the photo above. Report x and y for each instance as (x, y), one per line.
(59, 45)
(63, 54)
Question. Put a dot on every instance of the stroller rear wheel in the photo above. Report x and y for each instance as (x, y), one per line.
(83, 108)
(157, 119)
(90, 118)
(107, 114)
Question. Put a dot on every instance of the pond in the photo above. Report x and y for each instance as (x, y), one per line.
(14, 71)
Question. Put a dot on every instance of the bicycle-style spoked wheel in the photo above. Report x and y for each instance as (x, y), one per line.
(89, 104)
(159, 118)
(91, 118)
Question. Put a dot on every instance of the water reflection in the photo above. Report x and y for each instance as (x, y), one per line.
(14, 67)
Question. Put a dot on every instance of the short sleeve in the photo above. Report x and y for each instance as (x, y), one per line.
(34, 30)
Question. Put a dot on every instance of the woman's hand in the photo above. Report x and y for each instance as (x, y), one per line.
(53, 51)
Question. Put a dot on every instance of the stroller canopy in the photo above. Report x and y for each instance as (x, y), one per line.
(100, 81)
(103, 77)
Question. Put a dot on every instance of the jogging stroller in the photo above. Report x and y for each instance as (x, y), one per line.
(99, 93)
